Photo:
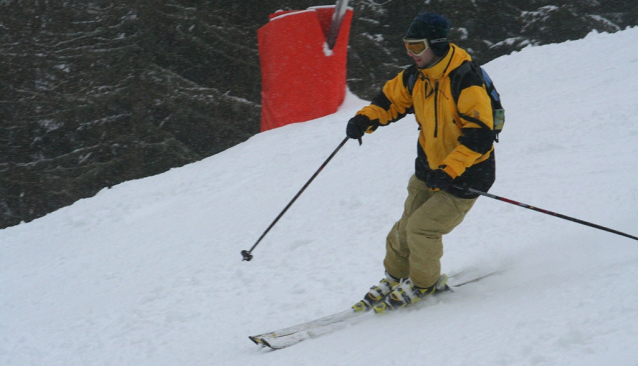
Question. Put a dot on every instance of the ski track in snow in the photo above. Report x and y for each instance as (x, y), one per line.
(149, 272)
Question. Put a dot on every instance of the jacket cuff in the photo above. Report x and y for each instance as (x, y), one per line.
(450, 172)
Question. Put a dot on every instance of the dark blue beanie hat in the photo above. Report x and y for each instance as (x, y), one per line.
(434, 28)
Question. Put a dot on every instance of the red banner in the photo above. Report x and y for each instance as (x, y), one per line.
(301, 78)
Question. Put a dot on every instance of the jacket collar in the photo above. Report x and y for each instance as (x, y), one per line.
(454, 57)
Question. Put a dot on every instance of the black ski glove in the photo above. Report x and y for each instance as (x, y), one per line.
(357, 126)
(439, 179)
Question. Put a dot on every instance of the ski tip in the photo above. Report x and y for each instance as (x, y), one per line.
(261, 342)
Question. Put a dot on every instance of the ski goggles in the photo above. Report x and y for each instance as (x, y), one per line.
(416, 47)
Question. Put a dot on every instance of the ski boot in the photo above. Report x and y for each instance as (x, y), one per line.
(376, 294)
(406, 294)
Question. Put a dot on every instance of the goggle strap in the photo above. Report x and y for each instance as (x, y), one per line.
(438, 40)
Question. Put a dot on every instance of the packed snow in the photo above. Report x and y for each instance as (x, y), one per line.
(149, 272)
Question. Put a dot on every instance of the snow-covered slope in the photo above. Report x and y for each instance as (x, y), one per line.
(150, 272)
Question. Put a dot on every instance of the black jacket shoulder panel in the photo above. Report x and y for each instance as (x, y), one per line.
(465, 76)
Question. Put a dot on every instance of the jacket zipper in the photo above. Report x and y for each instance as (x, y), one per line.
(436, 109)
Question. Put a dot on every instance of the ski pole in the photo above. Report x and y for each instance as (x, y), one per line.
(337, 20)
(247, 253)
(548, 212)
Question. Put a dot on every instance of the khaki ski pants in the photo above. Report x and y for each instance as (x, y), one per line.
(414, 246)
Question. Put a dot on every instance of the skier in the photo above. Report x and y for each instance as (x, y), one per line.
(454, 152)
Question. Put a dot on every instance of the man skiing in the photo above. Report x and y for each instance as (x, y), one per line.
(454, 152)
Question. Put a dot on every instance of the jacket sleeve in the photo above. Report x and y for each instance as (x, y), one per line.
(390, 105)
(475, 110)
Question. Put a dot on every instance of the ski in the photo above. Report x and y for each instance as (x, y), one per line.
(289, 336)
(308, 333)
(327, 320)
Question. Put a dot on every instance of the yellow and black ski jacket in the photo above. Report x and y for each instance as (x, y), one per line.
(455, 136)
